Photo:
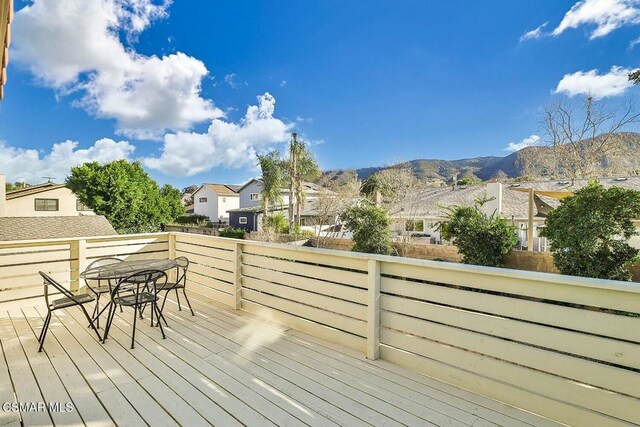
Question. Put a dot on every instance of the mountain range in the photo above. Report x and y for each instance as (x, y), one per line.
(529, 162)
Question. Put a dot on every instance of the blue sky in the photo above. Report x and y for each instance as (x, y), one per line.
(368, 83)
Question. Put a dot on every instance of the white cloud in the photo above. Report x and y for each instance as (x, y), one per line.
(235, 81)
(613, 83)
(531, 141)
(536, 33)
(20, 164)
(73, 46)
(605, 15)
(283, 83)
(633, 43)
(225, 143)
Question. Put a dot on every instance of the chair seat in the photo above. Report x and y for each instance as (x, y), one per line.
(129, 300)
(169, 286)
(68, 302)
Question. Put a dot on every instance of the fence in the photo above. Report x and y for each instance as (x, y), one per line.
(564, 347)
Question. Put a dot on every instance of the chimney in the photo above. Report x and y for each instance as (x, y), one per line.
(3, 196)
(455, 180)
(494, 194)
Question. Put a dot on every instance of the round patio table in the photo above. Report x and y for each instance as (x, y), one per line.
(120, 270)
(125, 269)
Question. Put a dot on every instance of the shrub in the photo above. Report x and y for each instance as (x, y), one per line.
(481, 239)
(278, 223)
(589, 232)
(192, 219)
(370, 226)
(233, 233)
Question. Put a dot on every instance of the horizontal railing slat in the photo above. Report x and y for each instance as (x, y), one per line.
(324, 317)
(623, 327)
(313, 271)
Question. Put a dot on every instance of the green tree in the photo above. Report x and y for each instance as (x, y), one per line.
(15, 186)
(125, 194)
(481, 239)
(370, 226)
(589, 232)
(273, 175)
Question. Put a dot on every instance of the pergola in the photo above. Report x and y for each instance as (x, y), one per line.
(532, 193)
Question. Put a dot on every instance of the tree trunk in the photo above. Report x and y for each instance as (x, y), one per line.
(293, 172)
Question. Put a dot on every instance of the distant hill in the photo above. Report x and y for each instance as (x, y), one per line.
(530, 162)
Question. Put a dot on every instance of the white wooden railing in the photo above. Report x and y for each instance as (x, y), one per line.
(564, 347)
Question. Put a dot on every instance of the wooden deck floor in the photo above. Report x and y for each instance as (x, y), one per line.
(220, 367)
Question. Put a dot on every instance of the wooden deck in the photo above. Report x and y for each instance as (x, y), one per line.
(221, 367)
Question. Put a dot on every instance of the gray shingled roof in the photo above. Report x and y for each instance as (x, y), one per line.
(53, 227)
(432, 202)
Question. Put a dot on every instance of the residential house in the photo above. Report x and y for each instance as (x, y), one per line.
(249, 214)
(41, 200)
(423, 214)
(214, 200)
(47, 211)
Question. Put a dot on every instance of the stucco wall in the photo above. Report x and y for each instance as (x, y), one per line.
(25, 206)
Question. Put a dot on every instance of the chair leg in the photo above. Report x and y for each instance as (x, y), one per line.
(43, 333)
(91, 322)
(96, 310)
(112, 312)
(178, 298)
(155, 306)
(133, 334)
(184, 291)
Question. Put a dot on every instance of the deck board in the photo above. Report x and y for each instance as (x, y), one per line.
(220, 367)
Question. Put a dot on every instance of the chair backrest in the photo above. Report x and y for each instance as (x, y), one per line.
(48, 281)
(181, 269)
(103, 261)
(99, 263)
(139, 280)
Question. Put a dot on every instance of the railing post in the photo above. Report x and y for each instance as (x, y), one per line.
(78, 252)
(237, 282)
(373, 310)
(172, 245)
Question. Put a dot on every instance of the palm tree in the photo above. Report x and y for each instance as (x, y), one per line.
(271, 165)
(302, 167)
(308, 170)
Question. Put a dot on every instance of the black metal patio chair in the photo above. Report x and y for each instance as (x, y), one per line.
(100, 286)
(68, 300)
(136, 291)
(180, 283)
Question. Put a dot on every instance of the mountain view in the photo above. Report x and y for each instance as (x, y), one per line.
(529, 162)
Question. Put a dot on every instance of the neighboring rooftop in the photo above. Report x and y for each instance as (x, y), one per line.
(52, 227)
(34, 189)
(221, 189)
(434, 201)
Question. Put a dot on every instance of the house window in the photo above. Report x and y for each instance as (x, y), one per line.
(254, 196)
(46, 204)
(242, 220)
(415, 225)
(81, 206)
(202, 200)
